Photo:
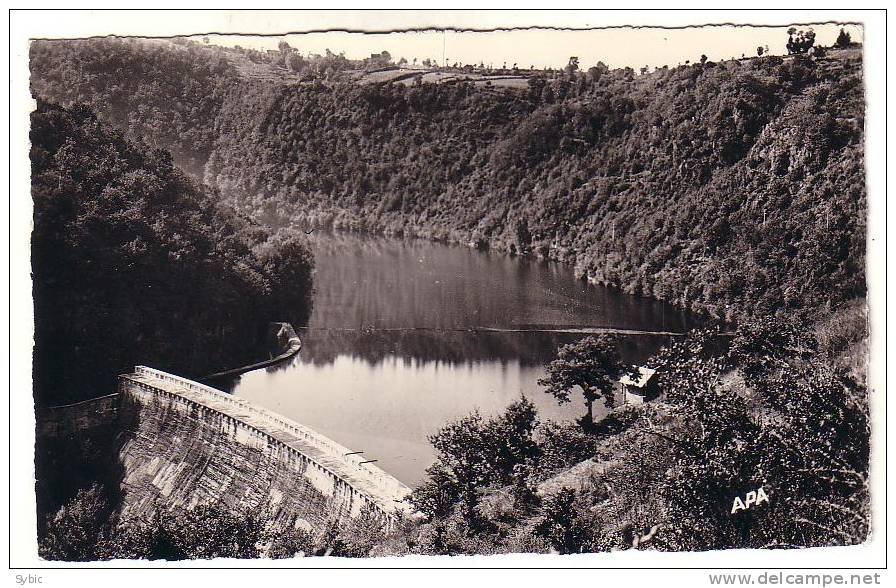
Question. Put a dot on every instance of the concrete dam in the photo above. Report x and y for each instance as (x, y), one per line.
(179, 443)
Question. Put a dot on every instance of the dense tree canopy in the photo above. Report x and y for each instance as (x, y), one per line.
(134, 263)
(735, 188)
(761, 414)
(163, 94)
(768, 414)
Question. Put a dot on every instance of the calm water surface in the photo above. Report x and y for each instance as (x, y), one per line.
(407, 335)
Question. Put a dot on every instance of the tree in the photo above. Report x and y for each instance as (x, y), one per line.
(522, 236)
(75, 530)
(801, 42)
(206, 532)
(593, 365)
(599, 70)
(843, 40)
(763, 346)
(511, 439)
(567, 530)
(536, 85)
(435, 497)
(291, 542)
(295, 62)
(289, 264)
(573, 66)
(472, 453)
(463, 448)
(562, 444)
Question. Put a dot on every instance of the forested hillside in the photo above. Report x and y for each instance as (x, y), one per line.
(769, 412)
(735, 188)
(165, 94)
(133, 263)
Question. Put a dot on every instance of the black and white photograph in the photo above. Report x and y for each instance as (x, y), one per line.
(443, 288)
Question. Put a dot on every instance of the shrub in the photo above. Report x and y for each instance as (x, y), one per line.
(77, 528)
(563, 444)
(563, 525)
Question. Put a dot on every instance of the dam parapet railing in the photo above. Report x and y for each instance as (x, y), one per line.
(389, 489)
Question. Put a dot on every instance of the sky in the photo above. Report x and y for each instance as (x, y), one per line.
(653, 47)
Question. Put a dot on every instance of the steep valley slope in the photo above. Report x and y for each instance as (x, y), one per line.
(734, 188)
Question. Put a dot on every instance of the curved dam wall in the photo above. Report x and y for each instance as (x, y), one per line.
(181, 443)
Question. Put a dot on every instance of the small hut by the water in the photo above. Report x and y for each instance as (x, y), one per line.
(642, 388)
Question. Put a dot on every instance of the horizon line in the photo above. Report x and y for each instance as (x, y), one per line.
(456, 29)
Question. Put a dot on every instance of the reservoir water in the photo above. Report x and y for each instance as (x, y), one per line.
(406, 335)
